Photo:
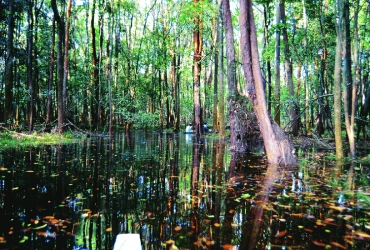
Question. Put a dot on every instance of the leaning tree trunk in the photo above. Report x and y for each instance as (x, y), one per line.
(277, 145)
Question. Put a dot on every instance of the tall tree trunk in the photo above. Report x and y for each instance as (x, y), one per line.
(348, 89)
(216, 24)
(307, 95)
(277, 67)
(177, 101)
(337, 97)
(175, 61)
(109, 47)
(277, 145)
(198, 48)
(60, 68)
(289, 73)
(237, 127)
(266, 18)
(350, 119)
(51, 77)
(221, 85)
(65, 73)
(30, 64)
(8, 74)
(95, 72)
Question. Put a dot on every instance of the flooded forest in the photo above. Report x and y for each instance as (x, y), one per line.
(194, 124)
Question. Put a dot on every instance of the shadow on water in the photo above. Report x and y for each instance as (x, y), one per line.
(176, 192)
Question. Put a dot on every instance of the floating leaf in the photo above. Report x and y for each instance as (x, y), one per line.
(245, 196)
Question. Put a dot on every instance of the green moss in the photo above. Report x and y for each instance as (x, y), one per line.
(13, 139)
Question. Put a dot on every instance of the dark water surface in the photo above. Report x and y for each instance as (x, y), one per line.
(174, 191)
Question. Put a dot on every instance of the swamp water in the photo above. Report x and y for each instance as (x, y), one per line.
(175, 192)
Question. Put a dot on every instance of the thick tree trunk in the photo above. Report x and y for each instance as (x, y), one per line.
(237, 117)
(198, 47)
(277, 145)
(8, 74)
(60, 68)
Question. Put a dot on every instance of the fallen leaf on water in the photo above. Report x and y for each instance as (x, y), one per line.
(336, 244)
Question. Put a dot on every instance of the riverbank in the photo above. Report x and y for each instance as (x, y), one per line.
(9, 139)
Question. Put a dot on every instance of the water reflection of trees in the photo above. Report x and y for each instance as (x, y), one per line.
(172, 192)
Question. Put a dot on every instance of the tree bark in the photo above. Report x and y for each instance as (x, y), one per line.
(237, 127)
(337, 98)
(198, 48)
(66, 43)
(94, 73)
(349, 89)
(30, 64)
(216, 24)
(8, 74)
(277, 145)
(51, 76)
(289, 73)
(60, 68)
(277, 67)
(221, 86)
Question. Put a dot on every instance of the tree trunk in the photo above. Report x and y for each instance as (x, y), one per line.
(266, 18)
(51, 77)
(175, 61)
(216, 24)
(337, 98)
(277, 67)
(109, 67)
(277, 145)
(30, 64)
(94, 73)
(221, 86)
(65, 73)
(8, 74)
(349, 90)
(198, 47)
(356, 80)
(60, 68)
(307, 94)
(237, 126)
(289, 73)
